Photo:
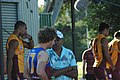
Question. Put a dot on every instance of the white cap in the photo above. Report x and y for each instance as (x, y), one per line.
(59, 34)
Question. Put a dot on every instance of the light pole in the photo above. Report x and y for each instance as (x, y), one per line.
(87, 35)
(73, 24)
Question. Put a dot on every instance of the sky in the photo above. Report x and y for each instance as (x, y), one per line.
(40, 2)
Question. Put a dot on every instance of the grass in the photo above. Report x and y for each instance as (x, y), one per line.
(79, 70)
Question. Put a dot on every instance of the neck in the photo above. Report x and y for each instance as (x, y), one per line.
(16, 33)
(58, 50)
(103, 33)
(117, 38)
(43, 45)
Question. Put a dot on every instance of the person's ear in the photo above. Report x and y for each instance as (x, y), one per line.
(62, 41)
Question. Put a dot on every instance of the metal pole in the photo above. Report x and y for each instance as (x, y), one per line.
(87, 37)
(73, 24)
(87, 30)
(1, 48)
(56, 10)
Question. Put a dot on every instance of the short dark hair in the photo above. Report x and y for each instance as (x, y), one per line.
(45, 35)
(18, 24)
(117, 34)
(103, 26)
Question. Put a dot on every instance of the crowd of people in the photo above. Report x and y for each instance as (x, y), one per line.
(48, 59)
(102, 58)
(51, 60)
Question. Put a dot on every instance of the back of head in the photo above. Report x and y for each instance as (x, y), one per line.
(103, 26)
(117, 34)
(45, 35)
(18, 24)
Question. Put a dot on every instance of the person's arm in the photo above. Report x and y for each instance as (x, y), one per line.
(13, 44)
(84, 62)
(84, 57)
(42, 59)
(72, 73)
(48, 70)
(59, 72)
(119, 46)
(104, 45)
(29, 44)
(26, 71)
(4, 64)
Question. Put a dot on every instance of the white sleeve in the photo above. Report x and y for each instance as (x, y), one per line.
(43, 56)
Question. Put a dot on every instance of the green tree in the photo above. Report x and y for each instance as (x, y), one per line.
(41, 9)
(96, 13)
(63, 21)
(103, 12)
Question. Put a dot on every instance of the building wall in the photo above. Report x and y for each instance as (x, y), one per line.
(28, 12)
(8, 18)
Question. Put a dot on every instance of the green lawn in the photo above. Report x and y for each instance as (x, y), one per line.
(79, 69)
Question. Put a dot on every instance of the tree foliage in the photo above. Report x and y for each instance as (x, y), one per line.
(96, 13)
(104, 12)
(41, 9)
(63, 21)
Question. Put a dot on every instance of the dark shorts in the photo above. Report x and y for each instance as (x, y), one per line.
(109, 74)
(35, 79)
(34, 76)
(116, 74)
(17, 76)
(99, 73)
(90, 77)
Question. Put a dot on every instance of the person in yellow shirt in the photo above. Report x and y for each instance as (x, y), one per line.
(100, 51)
(15, 50)
(114, 49)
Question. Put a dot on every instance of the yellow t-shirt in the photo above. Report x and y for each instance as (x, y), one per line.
(18, 59)
(97, 50)
(113, 51)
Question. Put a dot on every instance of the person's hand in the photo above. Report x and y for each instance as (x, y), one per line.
(74, 67)
(26, 35)
(113, 68)
(5, 72)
